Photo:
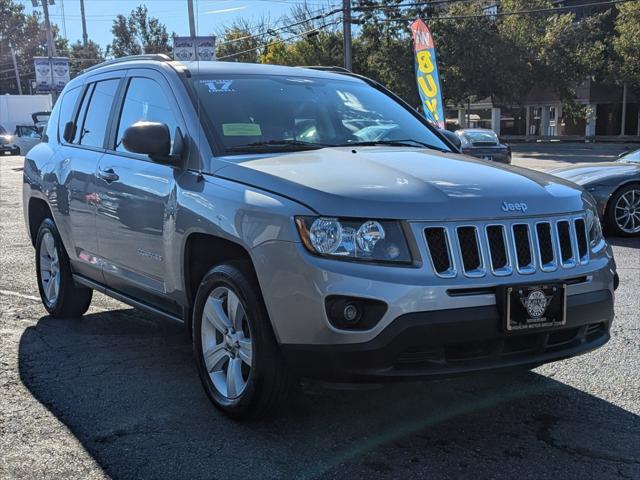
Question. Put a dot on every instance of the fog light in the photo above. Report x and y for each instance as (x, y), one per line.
(351, 313)
(354, 313)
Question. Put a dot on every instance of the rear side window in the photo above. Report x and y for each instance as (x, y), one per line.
(67, 104)
(96, 114)
(145, 101)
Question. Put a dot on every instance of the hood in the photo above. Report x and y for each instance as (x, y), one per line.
(403, 183)
(597, 174)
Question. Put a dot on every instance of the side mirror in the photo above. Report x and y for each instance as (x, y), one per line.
(153, 139)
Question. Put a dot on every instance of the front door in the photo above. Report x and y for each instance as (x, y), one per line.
(78, 158)
(136, 213)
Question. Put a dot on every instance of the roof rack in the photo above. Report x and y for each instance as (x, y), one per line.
(158, 57)
(328, 68)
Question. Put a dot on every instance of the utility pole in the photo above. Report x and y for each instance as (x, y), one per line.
(346, 33)
(85, 37)
(15, 69)
(51, 48)
(192, 21)
(623, 120)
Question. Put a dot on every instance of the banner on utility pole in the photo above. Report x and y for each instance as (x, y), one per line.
(188, 49)
(427, 73)
(52, 74)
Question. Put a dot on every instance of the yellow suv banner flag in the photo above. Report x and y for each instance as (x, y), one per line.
(427, 73)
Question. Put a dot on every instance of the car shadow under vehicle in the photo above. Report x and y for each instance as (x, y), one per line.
(125, 385)
(629, 242)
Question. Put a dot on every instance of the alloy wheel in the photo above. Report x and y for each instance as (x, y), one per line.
(226, 342)
(627, 211)
(49, 268)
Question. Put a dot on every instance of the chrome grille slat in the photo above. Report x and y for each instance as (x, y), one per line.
(501, 248)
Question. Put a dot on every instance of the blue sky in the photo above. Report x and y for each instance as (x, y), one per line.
(211, 15)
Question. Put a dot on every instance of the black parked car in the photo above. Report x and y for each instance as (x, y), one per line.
(616, 188)
(484, 144)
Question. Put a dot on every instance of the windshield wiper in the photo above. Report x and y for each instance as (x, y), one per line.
(270, 145)
(407, 142)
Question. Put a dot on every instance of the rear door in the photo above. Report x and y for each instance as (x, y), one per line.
(78, 158)
(136, 215)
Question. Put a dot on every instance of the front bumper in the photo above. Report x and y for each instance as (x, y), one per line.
(499, 156)
(451, 342)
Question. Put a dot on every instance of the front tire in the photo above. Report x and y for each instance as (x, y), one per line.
(60, 295)
(623, 212)
(240, 366)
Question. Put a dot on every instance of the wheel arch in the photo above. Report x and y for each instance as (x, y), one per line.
(37, 212)
(202, 251)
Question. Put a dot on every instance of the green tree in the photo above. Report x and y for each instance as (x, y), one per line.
(243, 41)
(138, 33)
(307, 41)
(81, 57)
(627, 42)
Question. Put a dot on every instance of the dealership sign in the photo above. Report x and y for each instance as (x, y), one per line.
(188, 49)
(52, 74)
(427, 73)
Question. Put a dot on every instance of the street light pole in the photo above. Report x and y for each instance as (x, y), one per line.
(192, 21)
(346, 33)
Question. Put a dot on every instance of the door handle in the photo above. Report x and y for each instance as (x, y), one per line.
(108, 175)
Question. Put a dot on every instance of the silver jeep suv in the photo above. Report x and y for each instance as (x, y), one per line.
(306, 222)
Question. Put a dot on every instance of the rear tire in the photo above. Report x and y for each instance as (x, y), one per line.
(60, 295)
(244, 374)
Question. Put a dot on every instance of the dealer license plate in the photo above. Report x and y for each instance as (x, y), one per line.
(533, 306)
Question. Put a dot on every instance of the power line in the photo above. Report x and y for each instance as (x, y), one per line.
(272, 31)
(410, 4)
(316, 29)
(513, 13)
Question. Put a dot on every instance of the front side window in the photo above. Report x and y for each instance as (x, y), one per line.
(272, 112)
(145, 101)
(27, 131)
(96, 115)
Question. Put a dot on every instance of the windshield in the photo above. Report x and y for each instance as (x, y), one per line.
(631, 157)
(480, 137)
(283, 113)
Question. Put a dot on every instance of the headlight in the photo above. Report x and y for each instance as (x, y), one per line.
(366, 240)
(593, 227)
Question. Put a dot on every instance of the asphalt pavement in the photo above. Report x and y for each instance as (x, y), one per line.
(116, 395)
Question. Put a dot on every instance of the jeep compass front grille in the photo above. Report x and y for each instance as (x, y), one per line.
(475, 249)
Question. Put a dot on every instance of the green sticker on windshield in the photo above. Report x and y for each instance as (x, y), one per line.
(241, 130)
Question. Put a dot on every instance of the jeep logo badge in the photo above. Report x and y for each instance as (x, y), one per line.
(514, 207)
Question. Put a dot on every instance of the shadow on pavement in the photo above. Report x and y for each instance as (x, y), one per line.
(125, 385)
(629, 242)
